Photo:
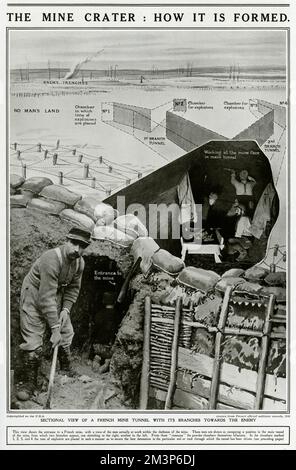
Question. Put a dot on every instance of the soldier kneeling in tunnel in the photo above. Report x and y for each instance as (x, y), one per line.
(48, 293)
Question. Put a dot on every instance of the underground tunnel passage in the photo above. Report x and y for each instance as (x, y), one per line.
(97, 314)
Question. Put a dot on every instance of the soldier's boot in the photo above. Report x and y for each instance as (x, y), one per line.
(32, 361)
(65, 359)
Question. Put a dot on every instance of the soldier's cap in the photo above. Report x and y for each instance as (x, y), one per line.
(79, 235)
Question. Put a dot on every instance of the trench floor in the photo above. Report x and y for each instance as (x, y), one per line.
(69, 393)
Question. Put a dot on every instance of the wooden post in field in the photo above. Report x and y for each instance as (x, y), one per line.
(85, 170)
(38, 147)
(80, 157)
(45, 154)
(61, 177)
(101, 159)
(74, 152)
(18, 154)
(24, 171)
(15, 145)
(272, 268)
(54, 158)
(93, 182)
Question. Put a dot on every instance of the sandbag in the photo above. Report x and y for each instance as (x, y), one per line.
(255, 273)
(45, 205)
(235, 272)
(113, 235)
(21, 200)
(58, 193)
(198, 278)
(104, 214)
(279, 292)
(276, 279)
(79, 220)
(164, 261)
(87, 205)
(248, 288)
(16, 181)
(130, 224)
(36, 184)
(228, 281)
(144, 247)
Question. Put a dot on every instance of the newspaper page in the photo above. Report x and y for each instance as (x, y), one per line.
(147, 225)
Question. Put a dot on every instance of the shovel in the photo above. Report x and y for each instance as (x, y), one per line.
(52, 374)
(51, 378)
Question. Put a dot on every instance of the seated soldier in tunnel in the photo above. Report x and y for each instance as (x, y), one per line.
(244, 190)
(242, 240)
(48, 293)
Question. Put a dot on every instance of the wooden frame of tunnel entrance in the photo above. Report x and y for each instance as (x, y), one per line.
(179, 378)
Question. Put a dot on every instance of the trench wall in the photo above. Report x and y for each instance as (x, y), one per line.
(187, 134)
(279, 111)
(260, 130)
(133, 116)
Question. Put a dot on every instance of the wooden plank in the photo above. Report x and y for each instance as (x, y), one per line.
(174, 359)
(231, 396)
(264, 355)
(279, 319)
(218, 342)
(182, 399)
(213, 329)
(164, 308)
(188, 401)
(144, 385)
(242, 332)
(276, 335)
(222, 406)
(245, 379)
(185, 401)
(269, 405)
(273, 405)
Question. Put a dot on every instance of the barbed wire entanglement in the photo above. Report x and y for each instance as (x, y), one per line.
(70, 165)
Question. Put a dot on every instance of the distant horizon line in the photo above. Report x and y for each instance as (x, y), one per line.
(155, 69)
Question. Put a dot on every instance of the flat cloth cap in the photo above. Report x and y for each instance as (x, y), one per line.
(79, 235)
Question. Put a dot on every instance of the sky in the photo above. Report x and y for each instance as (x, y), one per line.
(145, 49)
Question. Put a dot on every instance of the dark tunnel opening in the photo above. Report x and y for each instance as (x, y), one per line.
(97, 314)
